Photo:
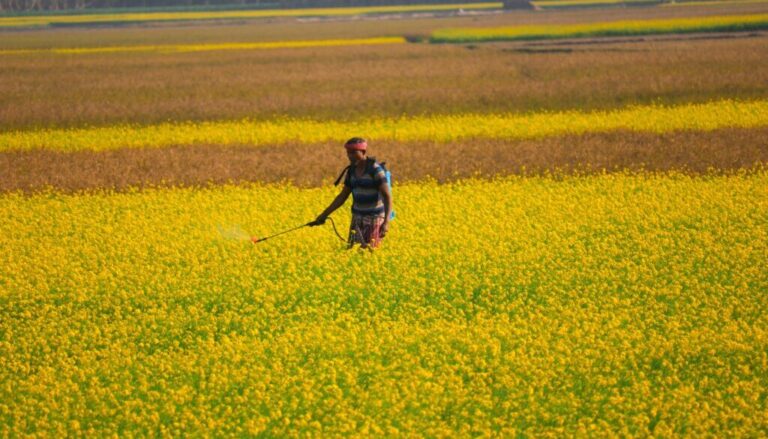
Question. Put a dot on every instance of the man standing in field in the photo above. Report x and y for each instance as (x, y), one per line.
(371, 197)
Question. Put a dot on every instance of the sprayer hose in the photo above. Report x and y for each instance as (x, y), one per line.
(336, 231)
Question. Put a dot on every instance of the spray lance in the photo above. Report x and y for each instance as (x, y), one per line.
(256, 239)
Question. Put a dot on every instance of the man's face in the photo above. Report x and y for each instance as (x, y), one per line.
(355, 156)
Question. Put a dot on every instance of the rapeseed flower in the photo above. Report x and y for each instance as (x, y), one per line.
(614, 304)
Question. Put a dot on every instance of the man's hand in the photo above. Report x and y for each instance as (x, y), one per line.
(384, 229)
(319, 221)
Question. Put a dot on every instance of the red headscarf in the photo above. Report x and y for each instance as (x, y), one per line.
(356, 145)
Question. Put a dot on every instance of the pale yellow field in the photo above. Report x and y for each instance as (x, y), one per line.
(176, 48)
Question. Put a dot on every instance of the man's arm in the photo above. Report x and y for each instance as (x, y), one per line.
(335, 204)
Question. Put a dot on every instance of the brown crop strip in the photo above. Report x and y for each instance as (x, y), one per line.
(313, 165)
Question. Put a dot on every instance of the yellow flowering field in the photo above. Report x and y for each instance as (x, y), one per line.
(444, 128)
(614, 28)
(45, 20)
(564, 305)
(171, 48)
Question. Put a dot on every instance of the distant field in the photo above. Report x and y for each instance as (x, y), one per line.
(290, 29)
(44, 91)
(139, 17)
(618, 28)
(729, 23)
(124, 17)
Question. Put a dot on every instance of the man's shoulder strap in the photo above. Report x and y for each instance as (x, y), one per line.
(370, 163)
(343, 172)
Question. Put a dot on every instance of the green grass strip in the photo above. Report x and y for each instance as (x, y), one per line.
(557, 4)
(442, 128)
(615, 28)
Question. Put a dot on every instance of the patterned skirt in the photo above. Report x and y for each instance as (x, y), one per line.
(365, 230)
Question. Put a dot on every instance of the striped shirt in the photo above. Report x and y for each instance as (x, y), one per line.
(366, 198)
